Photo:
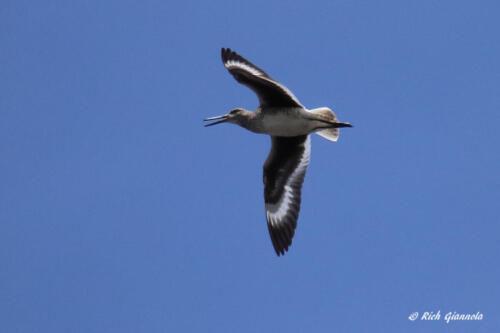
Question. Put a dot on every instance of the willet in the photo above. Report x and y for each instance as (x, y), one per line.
(289, 124)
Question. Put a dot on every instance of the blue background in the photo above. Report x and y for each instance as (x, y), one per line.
(119, 212)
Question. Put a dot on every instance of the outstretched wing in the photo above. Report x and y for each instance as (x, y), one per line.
(270, 92)
(284, 172)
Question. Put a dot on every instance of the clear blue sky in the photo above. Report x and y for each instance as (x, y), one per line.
(119, 212)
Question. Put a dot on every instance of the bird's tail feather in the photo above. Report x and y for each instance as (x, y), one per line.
(326, 115)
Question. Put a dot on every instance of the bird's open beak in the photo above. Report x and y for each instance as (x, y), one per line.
(223, 119)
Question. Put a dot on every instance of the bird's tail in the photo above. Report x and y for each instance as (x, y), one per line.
(327, 116)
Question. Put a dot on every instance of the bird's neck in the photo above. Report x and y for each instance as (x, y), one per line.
(251, 121)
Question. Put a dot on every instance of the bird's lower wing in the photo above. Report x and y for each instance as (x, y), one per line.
(284, 172)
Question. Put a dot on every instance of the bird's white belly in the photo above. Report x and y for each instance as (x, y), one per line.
(286, 124)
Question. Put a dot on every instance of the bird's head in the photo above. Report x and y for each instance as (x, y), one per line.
(235, 116)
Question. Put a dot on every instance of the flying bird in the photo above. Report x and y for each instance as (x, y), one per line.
(289, 123)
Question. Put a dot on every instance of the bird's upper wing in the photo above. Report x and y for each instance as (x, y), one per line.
(270, 92)
(284, 172)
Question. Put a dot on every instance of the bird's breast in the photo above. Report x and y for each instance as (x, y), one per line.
(285, 122)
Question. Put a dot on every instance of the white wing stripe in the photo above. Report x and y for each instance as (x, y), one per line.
(234, 63)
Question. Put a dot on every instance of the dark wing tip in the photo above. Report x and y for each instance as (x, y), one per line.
(228, 54)
(281, 237)
(225, 54)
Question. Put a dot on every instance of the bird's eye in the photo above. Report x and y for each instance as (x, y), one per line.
(233, 111)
